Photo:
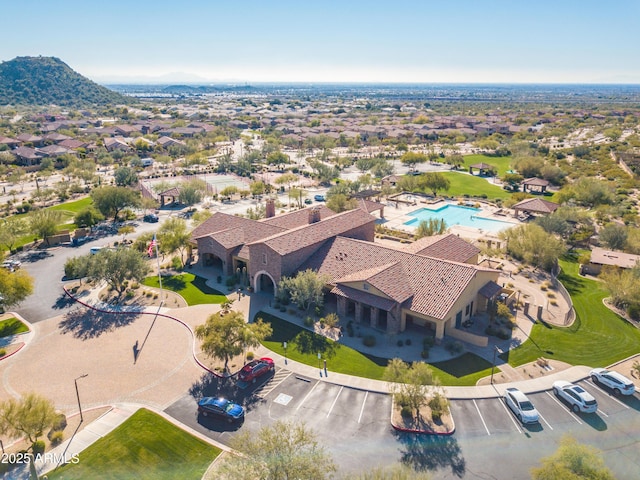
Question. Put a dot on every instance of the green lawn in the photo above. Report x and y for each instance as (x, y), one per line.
(12, 326)
(502, 164)
(192, 288)
(597, 338)
(462, 184)
(303, 346)
(146, 446)
(73, 207)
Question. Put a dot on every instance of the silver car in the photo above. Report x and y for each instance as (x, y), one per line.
(576, 396)
(521, 406)
(614, 380)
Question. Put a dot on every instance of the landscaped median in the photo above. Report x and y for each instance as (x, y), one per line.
(192, 288)
(303, 346)
(10, 326)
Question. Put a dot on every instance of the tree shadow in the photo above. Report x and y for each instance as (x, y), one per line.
(310, 343)
(62, 302)
(431, 452)
(86, 323)
(210, 385)
(175, 283)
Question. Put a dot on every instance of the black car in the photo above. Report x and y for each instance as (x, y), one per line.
(150, 218)
(220, 407)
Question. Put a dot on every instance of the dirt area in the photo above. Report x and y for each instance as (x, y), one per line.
(528, 371)
(11, 349)
(422, 423)
(626, 369)
(142, 296)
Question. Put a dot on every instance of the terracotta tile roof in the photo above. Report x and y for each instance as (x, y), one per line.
(490, 290)
(446, 247)
(536, 182)
(536, 205)
(297, 218)
(369, 205)
(311, 234)
(435, 284)
(609, 257)
(172, 192)
(394, 282)
(232, 231)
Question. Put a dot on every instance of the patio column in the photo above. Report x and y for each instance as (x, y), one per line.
(358, 312)
(374, 317)
(341, 306)
(439, 330)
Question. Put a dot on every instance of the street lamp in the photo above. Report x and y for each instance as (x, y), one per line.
(78, 394)
(319, 367)
(495, 350)
(284, 344)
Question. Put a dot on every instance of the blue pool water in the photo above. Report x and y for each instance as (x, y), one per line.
(457, 215)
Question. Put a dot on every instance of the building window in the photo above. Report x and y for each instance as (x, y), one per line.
(264, 258)
(466, 312)
(365, 286)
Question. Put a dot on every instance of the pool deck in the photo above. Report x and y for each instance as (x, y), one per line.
(397, 213)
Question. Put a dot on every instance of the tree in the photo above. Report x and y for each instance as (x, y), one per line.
(287, 179)
(44, 223)
(433, 226)
(125, 176)
(411, 384)
(278, 158)
(529, 166)
(281, 451)
(305, 289)
(614, 236)
(623, 285)
(28, 417)
(298, 194)
(174, 236)
(571, 461)
(341, 203)
(14, 286)
(189, 195)
(225, 335)
(410, 159)
(257, 188)
(531, 244)
(88, 217)
(200, 217)
(110, 201)
(11, 229)
(434, 181)
(229, 191)
(116, 267)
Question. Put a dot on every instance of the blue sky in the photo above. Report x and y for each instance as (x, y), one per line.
(466, 41)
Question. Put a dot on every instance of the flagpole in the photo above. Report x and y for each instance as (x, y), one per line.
(159, 276)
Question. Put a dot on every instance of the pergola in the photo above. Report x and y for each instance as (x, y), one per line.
(173, 193)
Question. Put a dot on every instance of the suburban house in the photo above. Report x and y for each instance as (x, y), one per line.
(432, 285)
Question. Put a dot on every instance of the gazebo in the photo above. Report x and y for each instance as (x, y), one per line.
(173, 193)
(535, 184)
(483, 167)
(536, 206)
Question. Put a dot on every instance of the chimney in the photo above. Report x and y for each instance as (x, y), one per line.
(314, 215)
(270, 208)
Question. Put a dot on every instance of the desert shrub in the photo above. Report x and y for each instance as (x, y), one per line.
(424, 353)
(250, 356)
(331, 320)
(407, 341)
(38, 447)
(428, 342)
(130, 294)
(439, 405)
(454, 348)
(3, 352)
(504, 333)
(308, 321)
(400, 343)
(56, 437)
(503, 311)
(369, 341)
(176, 263)
(406, 411)
(633, 311)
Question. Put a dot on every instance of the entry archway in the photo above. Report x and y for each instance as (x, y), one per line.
(264, 282)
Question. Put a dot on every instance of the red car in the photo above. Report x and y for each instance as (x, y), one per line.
(256, 368)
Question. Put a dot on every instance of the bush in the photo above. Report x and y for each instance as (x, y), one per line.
(350, 328)
(406, 411)
(504, 333)
(59, 423)
(176, 263)
(428, 342)
(369, 341)
(454, 348)
(130, 294)
(56, 437)
(439, 405)
(250, 356)
(633, 311)
(407, 341)
(308, 322)
(38, 447)
(219, 278)
(3, 352)
(400, 343)
(424, 353)
(231, 281)
(331, 320)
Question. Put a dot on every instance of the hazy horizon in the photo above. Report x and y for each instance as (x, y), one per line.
(357, 41)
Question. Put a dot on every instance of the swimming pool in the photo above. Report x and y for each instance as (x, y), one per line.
(457, 215)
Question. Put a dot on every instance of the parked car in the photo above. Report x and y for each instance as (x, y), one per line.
(95, 250)
(255, 369)
(521, 406)
(576, 396)
(150, 218)
(11, 265)
(614, 380)
(222, 408)
(318, 198)
(307, 201)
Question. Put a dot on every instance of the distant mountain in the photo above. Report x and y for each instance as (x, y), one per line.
(48, 80)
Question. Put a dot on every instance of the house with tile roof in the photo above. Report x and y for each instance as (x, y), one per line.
(432, 285)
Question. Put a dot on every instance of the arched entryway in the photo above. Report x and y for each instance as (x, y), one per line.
(263, 282)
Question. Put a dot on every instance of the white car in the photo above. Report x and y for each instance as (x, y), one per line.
(576, 396)
(521, 406)
(614, 380)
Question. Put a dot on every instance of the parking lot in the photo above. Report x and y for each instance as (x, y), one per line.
(350, 423)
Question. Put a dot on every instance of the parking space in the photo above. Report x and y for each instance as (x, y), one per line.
(486, 417)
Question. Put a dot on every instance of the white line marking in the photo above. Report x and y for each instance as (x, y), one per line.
(362, 409)
(545, 421)
(273, 387)
(334, 402)
(608, 394)
(485, 425)
(510, 414)
(307, 396)
(600, 411)
(564, 407)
